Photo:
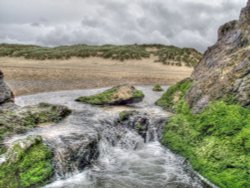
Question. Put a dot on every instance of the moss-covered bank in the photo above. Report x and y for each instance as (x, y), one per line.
(216, 142)
(28, 164)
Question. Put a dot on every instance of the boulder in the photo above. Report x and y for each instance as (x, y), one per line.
(224, 71)
(6, 94)
(74, 152)
(119, 95)
(147, 126)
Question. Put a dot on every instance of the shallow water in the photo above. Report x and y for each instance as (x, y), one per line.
(125, 159)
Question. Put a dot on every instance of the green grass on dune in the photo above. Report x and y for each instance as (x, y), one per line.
(172, 55)
(216, 142)
(65, 52)
(165, 54)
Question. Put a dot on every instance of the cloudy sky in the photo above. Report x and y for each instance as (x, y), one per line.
(184, 23)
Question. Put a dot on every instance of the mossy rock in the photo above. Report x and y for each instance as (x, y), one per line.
(215, 141)
(119, 95)
(157, 88)
(20, 120)
(124, 115)
(174, 94)
(28, 164)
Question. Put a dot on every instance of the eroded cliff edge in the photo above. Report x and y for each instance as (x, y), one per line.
(224, 71)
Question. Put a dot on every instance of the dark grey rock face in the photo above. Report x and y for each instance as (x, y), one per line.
(72, 153)
(6, 94)
(225, 67)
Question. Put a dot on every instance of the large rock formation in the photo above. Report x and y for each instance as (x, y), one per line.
(224, 71)
(6, 94)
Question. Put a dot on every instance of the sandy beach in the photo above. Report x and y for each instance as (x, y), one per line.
(34, 76)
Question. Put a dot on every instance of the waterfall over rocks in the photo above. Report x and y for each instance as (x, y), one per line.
(110, 147)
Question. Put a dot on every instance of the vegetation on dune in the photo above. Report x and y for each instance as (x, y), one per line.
(20, 120)
(28, 164)
(216, 141)
(125, 52)
(119, 95)
(172, 55)
(65, 52)
(166, 54)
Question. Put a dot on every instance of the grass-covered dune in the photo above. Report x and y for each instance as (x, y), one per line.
(166, 54)
(215, 141)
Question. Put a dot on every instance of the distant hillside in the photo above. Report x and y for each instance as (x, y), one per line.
(169, 55)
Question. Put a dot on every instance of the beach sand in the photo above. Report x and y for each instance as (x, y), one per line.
(34, 76)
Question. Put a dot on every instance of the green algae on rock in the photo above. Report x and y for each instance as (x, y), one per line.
(19, 120)
(216, 142)
(28, 163)
(174, 94)
(124, 115)
(119, 95)
(157, 88)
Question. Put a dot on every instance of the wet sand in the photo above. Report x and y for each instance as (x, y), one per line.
(34, 76)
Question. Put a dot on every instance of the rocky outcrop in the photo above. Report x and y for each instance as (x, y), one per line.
(148, 128)
(224, 71)
(6, 94)
(74, 152)
(119, 95)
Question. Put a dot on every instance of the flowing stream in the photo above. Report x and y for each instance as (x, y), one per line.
(93, 149)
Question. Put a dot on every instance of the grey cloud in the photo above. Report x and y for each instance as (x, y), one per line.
(185, 23)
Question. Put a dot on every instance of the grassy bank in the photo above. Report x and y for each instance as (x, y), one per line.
(216, 142)
(166, 54)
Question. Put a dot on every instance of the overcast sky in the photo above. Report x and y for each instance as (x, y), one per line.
(184, 23)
